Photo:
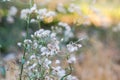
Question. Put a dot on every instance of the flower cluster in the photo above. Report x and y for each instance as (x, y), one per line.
(44, 51)
(43, 54)
(60, 8)
(73, 47)
(64, 30)
(40, 14)
(67, 32)
(72, 8)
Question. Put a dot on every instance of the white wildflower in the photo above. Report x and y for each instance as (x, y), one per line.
(62, 40)
(79, 45)
(27, 41)
(42, 33)
(68, 32)
(38, 33)
(63, 24)
(47, 63)
(73, 8)
(28, 62)
(33, 8)
(23, 34)
(70, 77)
(19, 44)
(59, 71)
(43, 49)
(32, 56)
(10, 19)
(32, 36)
(72, 59)
(50, 14)
(24, 13)
(53, 35)
(35, 45)
(72, 48)
(60, 8)
(48, 78)
(44, 13)
(33, 66)
(32, 20)
(13, 10)
(57, 61)
(45, 33)
(41, 13)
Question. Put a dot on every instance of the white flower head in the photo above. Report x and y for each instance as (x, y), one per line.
(13, 10)
(19, 44)
(53, 35)
(32, 20)
(70, 77)
(58, 71)
(33, 66)
(72, 48)
(42, 11)
(63, 24)
(33, 9)
(60, 8)
(57, 61)
(42, 33)
(72, 59)
(32, 56)
(24, 13)
(35, 45)
(47, 62)
(74, 8)
(27, 41)
(10, 19)
(43, 49)
(50, 14)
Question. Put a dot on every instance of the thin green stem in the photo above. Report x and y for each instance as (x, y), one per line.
(27, 30)
(21, 71)
(39, 25)
(23, 58)
(70, 70)
(28, 24)
(31, 3)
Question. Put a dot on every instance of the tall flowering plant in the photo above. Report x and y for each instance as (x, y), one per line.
(44, 58)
